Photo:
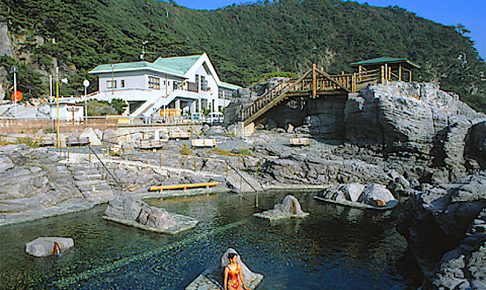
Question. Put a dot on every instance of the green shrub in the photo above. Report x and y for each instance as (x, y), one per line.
(186, 150)
(27, 141)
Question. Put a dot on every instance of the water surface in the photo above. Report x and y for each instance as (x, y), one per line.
(334, 248)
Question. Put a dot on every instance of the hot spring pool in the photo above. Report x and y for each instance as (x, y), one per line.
(334, 248)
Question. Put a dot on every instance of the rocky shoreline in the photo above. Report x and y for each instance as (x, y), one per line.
(414, 140)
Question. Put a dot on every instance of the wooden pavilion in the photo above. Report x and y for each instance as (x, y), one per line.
(389, 68)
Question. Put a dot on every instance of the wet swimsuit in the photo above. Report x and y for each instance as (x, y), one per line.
(233, 280)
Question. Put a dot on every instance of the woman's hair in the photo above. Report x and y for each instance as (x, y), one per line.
(231, 256)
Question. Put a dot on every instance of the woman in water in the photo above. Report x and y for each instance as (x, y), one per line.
(233, 274)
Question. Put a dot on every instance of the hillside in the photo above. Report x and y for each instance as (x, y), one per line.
(243, 41)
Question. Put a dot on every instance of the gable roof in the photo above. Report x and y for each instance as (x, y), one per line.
(180, 64)
(385, 59)
(177, 66)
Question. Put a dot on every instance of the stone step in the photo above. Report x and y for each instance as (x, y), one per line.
(91, 183)
(93, 188)
(85, 177)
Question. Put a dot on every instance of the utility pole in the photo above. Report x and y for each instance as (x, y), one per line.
(57, 112)
(50, 88)
(14, 71)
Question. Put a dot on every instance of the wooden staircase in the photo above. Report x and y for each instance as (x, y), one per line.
(313, 83)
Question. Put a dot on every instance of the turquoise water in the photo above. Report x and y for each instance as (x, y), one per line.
(333, 248)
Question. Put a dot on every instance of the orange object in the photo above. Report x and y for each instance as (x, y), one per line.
(16, 96)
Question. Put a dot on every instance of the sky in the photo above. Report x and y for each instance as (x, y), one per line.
(470, 13)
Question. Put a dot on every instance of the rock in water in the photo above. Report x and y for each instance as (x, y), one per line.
(371, 196)
(44, 246)
(376, 195)
(289, 208)
(134, 212)
(155, 217)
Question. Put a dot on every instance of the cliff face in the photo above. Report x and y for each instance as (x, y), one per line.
(418, 118)
(456, 213)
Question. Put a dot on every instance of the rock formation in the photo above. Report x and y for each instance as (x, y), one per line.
(44, 246)
(358, 195)
(449, 218)
(288, 208)
(134, 212)
(35, 184)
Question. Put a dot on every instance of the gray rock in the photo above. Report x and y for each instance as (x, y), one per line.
(5, 164)
(477, 143)
(155, 217)
(124, 208)
(404, 115)
(288, 208)
(450, 212)
(44, 246)
(6, 47)
(93, 138)
(375, 195)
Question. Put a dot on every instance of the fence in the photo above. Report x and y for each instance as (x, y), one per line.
(32, 126)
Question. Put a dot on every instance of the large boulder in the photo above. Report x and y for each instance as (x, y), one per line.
(155, 217)
(44, 246)
(288, 208)
(356, 193)
(125, 208)
(477, 143)
(92, 136)
(375, 195)
(135, 210)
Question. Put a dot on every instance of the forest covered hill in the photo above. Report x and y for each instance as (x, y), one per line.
(243, 41)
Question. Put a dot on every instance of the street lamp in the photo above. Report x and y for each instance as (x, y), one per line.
(86, 85)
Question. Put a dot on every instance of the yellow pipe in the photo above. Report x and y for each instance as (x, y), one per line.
(183, 186)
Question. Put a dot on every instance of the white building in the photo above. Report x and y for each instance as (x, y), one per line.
(69, 110)
(189, 83)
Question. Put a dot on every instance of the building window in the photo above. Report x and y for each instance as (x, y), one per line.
(204, 84)
(111, 84)
(122, 83)
(154, 83)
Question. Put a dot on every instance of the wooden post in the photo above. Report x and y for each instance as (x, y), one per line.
(314, 80)
(386, 73)
(353, 83)
(400, 72)
(382, 74)
(410, 76)
(390, 76)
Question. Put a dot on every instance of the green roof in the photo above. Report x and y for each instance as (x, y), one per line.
(230, 86)
(177, 66)
(382, 60)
